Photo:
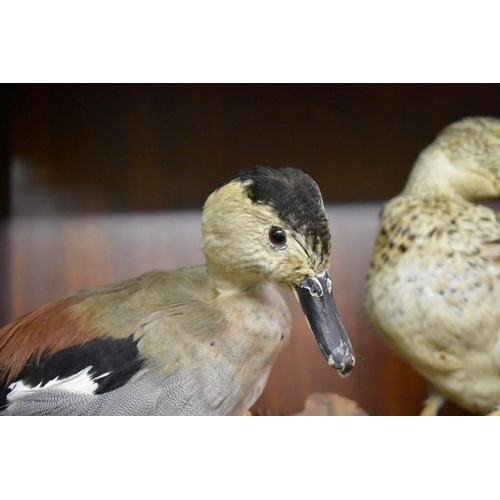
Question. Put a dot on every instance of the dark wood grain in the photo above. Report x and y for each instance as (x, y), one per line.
(50, 257)
(112, 148)
(5, 152)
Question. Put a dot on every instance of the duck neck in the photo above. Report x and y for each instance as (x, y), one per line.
(434, 175)
(226, 283)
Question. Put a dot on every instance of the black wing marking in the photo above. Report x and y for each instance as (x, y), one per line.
(113, 362)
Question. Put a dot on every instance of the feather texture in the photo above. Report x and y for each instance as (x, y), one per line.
(433, 288)
(195, 341)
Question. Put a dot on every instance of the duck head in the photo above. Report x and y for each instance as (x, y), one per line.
(270, 225)
(463, 161)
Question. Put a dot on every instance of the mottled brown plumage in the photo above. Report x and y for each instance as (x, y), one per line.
(433, 287)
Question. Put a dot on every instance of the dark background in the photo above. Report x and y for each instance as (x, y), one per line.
(79, 161)
(102, 148)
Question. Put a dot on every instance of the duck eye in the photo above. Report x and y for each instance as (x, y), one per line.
(277, 237)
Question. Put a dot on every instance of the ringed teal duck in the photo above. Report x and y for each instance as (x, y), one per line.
(433, 287)
(193, 341)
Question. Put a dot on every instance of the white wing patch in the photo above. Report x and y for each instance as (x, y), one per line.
(79, 382)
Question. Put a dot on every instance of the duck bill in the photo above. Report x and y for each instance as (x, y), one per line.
(315, 297)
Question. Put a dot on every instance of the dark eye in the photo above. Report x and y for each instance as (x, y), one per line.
(277, 237)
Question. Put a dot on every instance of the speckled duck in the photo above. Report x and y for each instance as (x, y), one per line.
(433, 288)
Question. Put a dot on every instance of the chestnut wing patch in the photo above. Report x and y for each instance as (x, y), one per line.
(42, 332)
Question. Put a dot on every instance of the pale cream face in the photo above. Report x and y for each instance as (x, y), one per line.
(463, 161)
(472, 146)
(238, 246)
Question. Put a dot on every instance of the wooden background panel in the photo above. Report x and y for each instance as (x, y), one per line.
(5, 95)
(50, 257)
(102, 148)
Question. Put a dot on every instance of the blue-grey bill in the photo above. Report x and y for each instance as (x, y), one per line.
(316, 298)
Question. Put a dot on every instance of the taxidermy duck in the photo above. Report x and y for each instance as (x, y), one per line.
(433, 287)
(194, 341)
